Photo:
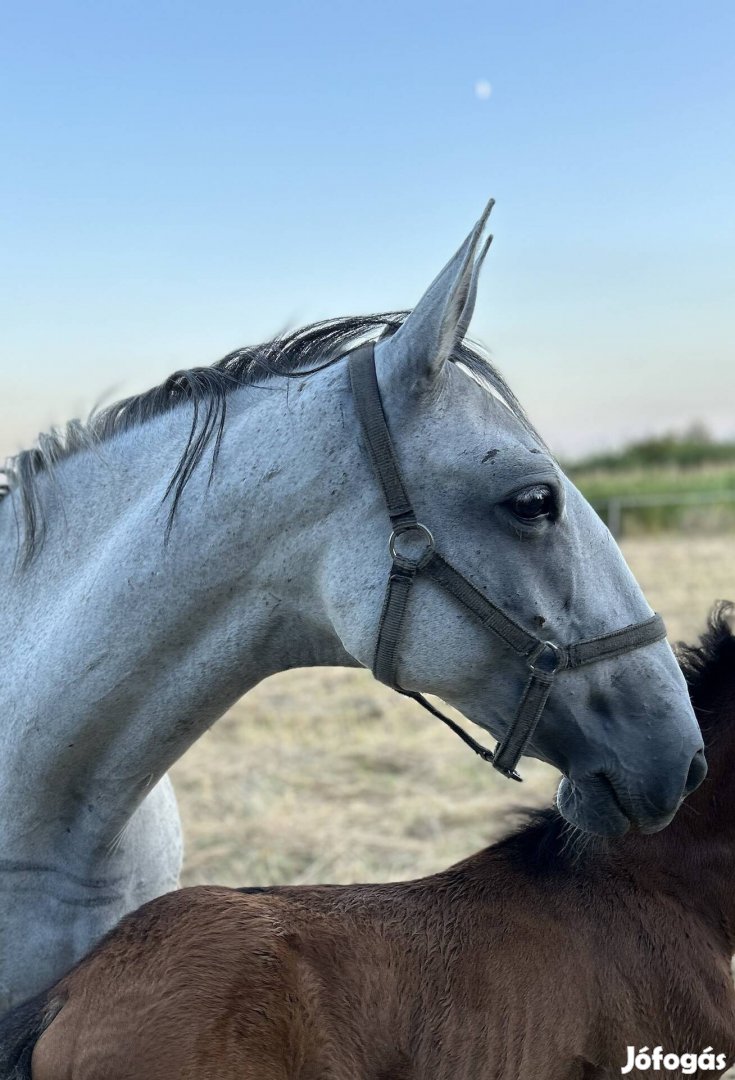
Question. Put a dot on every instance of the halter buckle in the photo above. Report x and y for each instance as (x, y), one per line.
(553, 662)
(404, 561)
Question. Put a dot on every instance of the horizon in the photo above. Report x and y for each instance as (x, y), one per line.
(695, 430)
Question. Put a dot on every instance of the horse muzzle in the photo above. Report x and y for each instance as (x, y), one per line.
(602, 804)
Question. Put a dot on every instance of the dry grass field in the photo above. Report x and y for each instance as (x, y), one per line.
(324, 775)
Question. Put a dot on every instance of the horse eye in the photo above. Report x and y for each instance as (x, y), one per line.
(533, 503)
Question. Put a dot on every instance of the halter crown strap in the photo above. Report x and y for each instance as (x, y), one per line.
(544, 658)
(369, 405)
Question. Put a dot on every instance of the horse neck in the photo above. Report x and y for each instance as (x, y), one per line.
(120, 649)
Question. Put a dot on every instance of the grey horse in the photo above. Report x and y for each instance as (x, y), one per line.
(163, 558)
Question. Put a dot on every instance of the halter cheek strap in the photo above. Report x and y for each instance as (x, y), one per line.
(543, 659)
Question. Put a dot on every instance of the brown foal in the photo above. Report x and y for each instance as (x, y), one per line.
(544, 957)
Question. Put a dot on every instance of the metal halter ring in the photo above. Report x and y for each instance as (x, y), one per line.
(403, 560)
(556, 658)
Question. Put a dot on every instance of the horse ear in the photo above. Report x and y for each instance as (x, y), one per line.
(432, 331)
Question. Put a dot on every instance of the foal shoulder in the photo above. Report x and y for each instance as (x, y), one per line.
(192, 969)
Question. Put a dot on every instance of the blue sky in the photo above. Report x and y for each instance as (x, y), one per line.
(180, 179)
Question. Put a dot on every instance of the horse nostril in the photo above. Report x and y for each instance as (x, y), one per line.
(697, 772)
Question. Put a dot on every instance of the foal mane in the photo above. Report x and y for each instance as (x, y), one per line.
(709, 667)
(295, 354)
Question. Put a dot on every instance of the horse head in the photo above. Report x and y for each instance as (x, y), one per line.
(489, 493)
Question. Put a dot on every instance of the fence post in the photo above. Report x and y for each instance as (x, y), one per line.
(615, 517)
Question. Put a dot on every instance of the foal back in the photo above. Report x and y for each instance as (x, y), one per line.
(387, 982)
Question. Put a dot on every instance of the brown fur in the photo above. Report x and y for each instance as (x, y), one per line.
(536, 959)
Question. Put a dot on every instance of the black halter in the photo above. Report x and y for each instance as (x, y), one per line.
(544, 659)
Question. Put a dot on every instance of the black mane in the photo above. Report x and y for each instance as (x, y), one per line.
(545, 844)
(295, 354)
(713, 655)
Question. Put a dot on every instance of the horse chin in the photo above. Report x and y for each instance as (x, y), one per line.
(591, 805)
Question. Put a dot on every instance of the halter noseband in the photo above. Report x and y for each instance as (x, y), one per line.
(544, 659)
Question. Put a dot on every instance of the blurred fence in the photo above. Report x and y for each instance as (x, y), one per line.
(661, 511)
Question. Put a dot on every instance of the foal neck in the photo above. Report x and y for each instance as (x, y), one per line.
(695, 854)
